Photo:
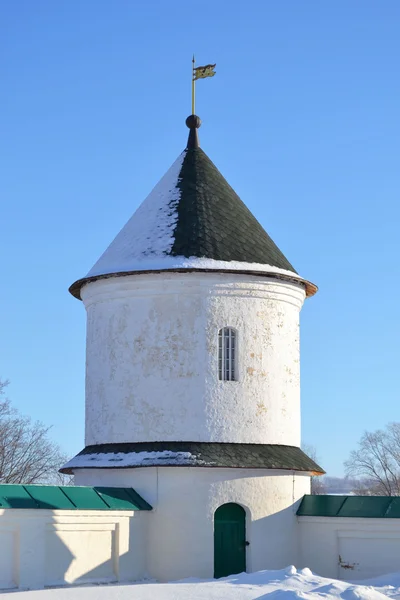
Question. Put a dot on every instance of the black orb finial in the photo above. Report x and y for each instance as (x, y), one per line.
(193, 122)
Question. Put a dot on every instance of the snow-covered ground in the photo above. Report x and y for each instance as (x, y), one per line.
(287, 584)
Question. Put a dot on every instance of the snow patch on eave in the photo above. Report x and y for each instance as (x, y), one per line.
(149, 232)
(160, 263)
(132, 459)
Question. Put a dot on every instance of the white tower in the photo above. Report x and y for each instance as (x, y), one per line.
(192, 380)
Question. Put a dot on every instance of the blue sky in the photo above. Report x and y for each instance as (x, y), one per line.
(302, 119)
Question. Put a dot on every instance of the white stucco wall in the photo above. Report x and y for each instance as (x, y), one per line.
(40, 548)
(349, 548)
(181, 525)
(152, 359)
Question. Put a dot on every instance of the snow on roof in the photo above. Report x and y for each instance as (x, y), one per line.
(181, 262)
(148, 235)
(144, 243)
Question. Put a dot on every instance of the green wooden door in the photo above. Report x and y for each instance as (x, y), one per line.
(229, 540)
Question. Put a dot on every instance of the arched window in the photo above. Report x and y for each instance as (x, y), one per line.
(227, 348)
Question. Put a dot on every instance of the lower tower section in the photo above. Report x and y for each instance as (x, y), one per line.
(191, 507)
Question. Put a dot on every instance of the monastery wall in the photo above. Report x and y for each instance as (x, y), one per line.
(40, 548)
(45, 548)
(152, 359)
(349, 548)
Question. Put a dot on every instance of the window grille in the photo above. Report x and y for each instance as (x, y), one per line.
(227, 347)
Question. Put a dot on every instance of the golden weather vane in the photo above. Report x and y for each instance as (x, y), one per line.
(200, 73)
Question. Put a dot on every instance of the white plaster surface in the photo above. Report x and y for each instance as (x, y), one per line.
(41, 548)
(180, 531)
(152, 359)
(349, 548)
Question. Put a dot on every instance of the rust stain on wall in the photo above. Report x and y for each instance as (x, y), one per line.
(346, 565)
(261, 408)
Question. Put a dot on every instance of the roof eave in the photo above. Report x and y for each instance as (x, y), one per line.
(215, 455)
(311, 288)
(71, 470)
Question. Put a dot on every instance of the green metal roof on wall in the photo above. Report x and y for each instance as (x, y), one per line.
(365, 507)
(70, 498)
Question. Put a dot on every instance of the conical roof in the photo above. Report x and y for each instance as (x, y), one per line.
(192, 220)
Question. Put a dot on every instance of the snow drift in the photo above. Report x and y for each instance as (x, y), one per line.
(286, 584)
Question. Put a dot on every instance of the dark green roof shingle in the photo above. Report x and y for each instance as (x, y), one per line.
(213, 222)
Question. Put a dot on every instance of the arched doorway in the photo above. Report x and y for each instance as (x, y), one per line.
(229, 540)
